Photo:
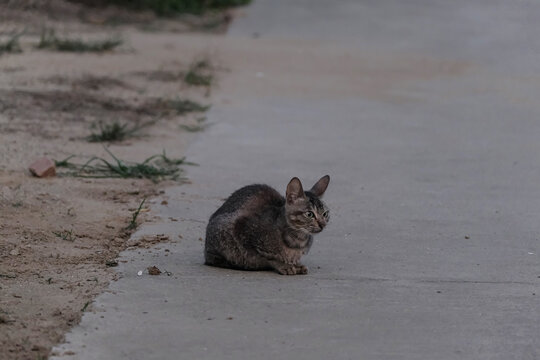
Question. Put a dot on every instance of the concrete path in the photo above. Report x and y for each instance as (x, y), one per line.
(426, 115)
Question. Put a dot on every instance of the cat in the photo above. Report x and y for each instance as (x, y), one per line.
(258, 229)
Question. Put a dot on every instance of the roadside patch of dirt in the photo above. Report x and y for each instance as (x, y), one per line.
(57, 236)
(60, 236)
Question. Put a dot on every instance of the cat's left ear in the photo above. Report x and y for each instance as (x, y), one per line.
(294, 190)
(320, 186)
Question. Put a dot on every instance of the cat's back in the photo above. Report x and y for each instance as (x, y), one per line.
(249, 199)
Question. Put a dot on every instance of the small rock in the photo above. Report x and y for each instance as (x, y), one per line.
(43, 167)
(153, 270)
(164, 202)
(467, 237)
(14, 252)
(139, 272)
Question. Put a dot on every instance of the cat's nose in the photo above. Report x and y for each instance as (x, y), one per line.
(321, 223)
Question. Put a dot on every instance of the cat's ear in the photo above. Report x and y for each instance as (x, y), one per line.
(320, 186)
(294, 190)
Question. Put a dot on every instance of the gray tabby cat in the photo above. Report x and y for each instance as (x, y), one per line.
(258, 229)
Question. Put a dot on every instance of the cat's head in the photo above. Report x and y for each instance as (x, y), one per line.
(304, 210)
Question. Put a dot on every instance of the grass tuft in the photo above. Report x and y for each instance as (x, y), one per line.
(49, 40)
(172, 7)
(11, 45)
(200, 73)
(66, 235)
(183, 107)
(85, 306)
(133, 223)
(115, 132)
(65, 162)
(156, 168)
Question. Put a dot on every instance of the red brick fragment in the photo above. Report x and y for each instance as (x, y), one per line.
(43, 167)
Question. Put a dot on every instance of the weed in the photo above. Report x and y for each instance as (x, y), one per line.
(133, 223)
(200, 73)
(185, 106)
(66, 235)
(173, 7)
(8, 276)
(115, 132)
(111, 263)
(11, 45)
(199, 126)
(49, 40)
(65, 162)
(85, 306)
(196, 79)
(157, 167)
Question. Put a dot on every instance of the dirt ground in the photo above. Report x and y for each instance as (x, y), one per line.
(59, 236)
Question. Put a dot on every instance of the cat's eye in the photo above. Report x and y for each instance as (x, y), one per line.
(326, 214)
(309, 214)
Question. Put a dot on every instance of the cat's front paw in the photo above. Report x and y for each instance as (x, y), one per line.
(290, 269)
(301, 269)
(286, 269)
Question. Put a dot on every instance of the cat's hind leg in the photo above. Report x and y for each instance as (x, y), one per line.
(217, 260)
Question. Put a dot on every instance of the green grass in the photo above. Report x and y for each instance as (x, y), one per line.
(172, 7)
(49, 40)
(133, 223)
(11, 45)
(156, 168)
(85, 306)
(184, 106)
(65, 235)
(8, 276)
(115, 132)
(200, 73)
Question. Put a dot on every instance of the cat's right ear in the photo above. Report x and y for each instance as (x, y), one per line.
(294, 190)
(320, 186)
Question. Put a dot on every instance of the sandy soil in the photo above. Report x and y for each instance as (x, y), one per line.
(59, 236)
